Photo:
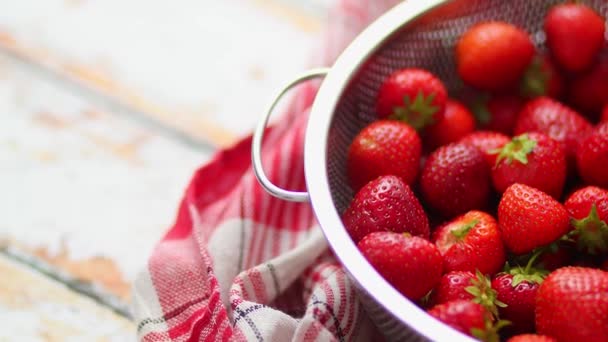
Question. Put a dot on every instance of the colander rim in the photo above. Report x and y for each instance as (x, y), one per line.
(315, 155)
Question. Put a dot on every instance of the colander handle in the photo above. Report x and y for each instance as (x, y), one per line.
(258, 136)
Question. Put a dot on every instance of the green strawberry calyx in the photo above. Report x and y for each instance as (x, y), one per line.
(518, 148)
(419, 113)
(532, 275)
(591, 233)
(529, 273)
(484, 294)
(535, 80)
(490, 333)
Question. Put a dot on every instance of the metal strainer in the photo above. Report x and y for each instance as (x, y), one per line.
(416, 33)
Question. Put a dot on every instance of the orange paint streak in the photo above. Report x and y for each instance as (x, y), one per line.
(98, 269)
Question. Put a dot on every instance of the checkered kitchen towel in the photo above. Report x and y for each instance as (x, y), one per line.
(241, 265)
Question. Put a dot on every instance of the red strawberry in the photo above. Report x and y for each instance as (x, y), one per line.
(498, 113)
(455, 179)
(455, 123)
(572, 305)
(529, 218)
(589, 92)
(555, 120)
(385, 204)
(592, 157)
(467, 317)
(462, 315)
(605, 114)
(414, 96)
(517, 290)
(533, 159)
(486, 142)
(385, 147)
(457, 285)
(519, 299)
(575, 35)
(411, 264)
(531, 338)
(542, 79)
(588, 208)
(452, 286)
(486, 45)
(471, 242)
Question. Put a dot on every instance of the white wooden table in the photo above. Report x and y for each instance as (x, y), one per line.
(106, 109)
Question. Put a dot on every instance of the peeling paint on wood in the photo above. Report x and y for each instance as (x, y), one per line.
(98, 269)
(34, 308)
(85, 190)
(90, 289)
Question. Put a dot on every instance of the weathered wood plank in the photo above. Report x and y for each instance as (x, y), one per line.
(204, 67)
(85, 189)
(34, 308)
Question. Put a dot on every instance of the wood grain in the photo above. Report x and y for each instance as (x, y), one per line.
(34, 308)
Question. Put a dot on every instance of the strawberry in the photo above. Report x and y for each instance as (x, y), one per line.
(575, 35)
(533, 159)
(572, 305)
(467, 317)
(471, 242)
(592, 157)
(488, 44)
(462, 315)
(455, 179)
(385, 204)
(529, 218)
(486, 142)
(414, 96)
(604, 117)
(498, 112)
(555, 120)
(384, 147)
(452, 286)
(455, 123)
(517, 288)
(531, 338)
(588, 208)
(519, 299)
(542, 79)
(457, 285)
(589, 92)
(411, 264)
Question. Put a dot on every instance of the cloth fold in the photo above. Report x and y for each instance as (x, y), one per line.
(239, 264)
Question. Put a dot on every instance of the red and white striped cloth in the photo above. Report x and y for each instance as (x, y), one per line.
(241, 265)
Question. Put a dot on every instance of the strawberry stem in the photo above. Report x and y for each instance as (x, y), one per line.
(533, 259)
(592, 232)
(518, 148)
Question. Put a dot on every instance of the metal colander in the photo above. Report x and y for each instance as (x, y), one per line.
(416, 33)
